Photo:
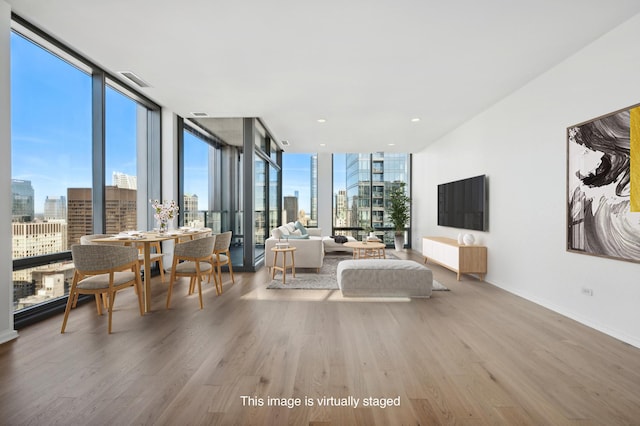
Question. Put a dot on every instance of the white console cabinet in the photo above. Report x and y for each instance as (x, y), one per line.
(459, 258)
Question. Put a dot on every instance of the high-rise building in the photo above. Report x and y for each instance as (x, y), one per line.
(340, 213)
(120, 211)
(22, 204)
(313, 221)
(359, 190)
(79, 214)
(369, 180)
(290, 208)
(38, 238)
(121, 180)
(55, 208)
(190, 212)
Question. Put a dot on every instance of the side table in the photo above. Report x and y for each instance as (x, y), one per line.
(284, 266)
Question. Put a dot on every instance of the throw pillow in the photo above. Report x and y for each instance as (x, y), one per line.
(290, 227)
(301, 228)
(276, 233)
(296, 232)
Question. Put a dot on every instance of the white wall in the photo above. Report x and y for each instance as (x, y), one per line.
(520, 144)
(6, 279)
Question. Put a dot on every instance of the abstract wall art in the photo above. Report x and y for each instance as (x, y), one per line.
(603, 186)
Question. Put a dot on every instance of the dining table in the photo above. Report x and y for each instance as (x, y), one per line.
(146, 238)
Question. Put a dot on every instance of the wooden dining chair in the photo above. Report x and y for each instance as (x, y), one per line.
(103, 269)
(191, 259)
(222, 256)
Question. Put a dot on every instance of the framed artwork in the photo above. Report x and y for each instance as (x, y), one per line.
(603, 186)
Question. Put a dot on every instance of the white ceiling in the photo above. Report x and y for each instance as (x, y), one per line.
(367, 67)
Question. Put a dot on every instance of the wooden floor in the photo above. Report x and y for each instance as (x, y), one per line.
(475, 355)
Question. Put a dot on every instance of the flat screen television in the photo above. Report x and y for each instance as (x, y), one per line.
(463, 203)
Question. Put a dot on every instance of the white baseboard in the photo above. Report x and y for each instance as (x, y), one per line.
(8, 335)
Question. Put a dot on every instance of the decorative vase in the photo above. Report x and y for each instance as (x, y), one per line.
(163, 226)
(468, 239)
(398, 240)
(461, 238)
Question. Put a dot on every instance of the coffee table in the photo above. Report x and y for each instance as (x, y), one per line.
(362, 250)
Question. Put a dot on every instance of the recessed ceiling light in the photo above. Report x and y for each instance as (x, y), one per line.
(415, 120)
(285, 143)
(391, 144)
(323, 144)
(322, 120)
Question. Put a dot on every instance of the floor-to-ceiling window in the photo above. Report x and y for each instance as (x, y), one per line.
(211, 179)
(202, 182)
(50, 157)
(300, 188)
(361, 187)
(60, 176)
(237, 163)
(121, 143)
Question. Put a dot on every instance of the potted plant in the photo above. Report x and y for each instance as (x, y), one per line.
(399, 212)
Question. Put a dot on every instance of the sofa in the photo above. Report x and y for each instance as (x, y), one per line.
(308, 243)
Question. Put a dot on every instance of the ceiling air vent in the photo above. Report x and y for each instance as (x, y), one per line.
(134, 78)
(285, 143)
(199, 114)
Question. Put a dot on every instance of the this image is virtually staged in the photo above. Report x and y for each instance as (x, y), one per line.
(340, 213)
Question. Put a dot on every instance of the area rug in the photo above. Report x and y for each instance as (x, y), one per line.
(309, 279)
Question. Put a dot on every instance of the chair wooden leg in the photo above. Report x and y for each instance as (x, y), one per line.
(233, 280)
(161, 266)
(192, 285)
(171, 281)
(138, 287)
(70, 299)
(99, 302)
(198, 277)
(112, 298)
(216, 282)
(220, 276)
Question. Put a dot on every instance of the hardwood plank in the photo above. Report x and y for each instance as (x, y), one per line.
(475, 355)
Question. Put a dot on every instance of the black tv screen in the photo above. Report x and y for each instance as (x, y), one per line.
(463, 203)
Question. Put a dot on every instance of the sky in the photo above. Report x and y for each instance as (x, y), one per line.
(296, 176)
(51, 117)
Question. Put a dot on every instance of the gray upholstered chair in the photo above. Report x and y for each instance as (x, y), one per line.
(103, 269)
(222, 256)
(156, 256)
(191, 259)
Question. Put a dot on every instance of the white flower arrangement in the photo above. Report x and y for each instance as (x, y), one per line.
(165, 211)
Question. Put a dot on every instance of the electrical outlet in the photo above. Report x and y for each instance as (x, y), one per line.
(587, 291)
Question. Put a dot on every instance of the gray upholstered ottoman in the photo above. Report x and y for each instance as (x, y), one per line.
(384, 277)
